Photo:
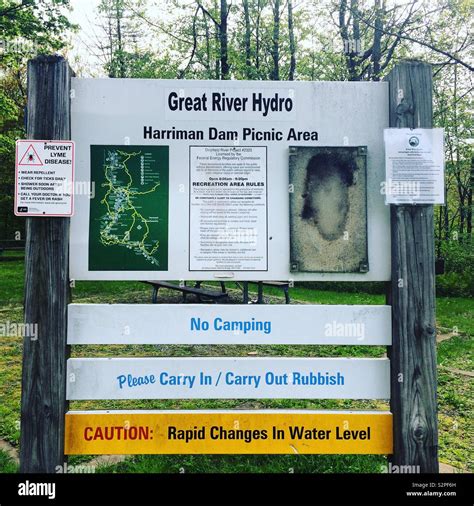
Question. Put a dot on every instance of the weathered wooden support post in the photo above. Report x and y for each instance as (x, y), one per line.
(43, 397)
(412, 293)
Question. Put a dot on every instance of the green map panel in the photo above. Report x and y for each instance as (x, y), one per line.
(128, 227)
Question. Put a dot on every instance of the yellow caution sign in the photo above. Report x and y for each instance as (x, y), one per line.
(228, 432)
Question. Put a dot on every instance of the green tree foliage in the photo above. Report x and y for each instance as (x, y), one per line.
(27, 28)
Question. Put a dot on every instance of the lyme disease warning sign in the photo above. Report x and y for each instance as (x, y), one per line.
(44, 178)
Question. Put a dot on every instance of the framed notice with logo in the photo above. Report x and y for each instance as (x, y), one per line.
(414, 166)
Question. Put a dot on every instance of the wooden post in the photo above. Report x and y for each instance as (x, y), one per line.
(43, 399)
(412, 293)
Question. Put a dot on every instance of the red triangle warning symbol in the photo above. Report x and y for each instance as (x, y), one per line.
(30, 157)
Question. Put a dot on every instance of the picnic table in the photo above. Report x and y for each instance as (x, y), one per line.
(284, 285)
(217, 296)
(201, 293)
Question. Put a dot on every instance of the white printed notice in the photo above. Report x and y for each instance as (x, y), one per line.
(414, 166)
(228, 208)
(44, 178)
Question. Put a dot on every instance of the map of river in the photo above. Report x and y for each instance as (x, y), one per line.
(128, 227)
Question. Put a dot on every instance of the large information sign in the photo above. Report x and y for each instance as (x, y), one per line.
(191, 180)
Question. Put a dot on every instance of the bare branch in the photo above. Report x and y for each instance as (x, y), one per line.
(14, 8)
(157, 26)
(193, 52)
(207, 13)
(422, 43)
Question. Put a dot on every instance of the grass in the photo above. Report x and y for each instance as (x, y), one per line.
(10, 388)
(249, 464)
(457, 352)
(7, 465)
(456, 314)
(455, 394)
(12, 253)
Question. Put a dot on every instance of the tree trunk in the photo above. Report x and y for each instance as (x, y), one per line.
(248, 64)
(223, 40)
(344, 32)
(119, 14)
(469, 200)
(462, 210)
(110, 36)
(217, 62)
(208, 46)
(355, 42)
(275, 75)
(446, 216)
(376, 48)
(291, 32)
(458, 164)
(438, 238)
(257, 37)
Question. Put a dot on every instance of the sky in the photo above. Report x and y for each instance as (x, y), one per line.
(83, 14)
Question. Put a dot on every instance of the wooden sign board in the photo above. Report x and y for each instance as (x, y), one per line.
(228, 432)
(228, 378)
(228, 324)
(198, 193)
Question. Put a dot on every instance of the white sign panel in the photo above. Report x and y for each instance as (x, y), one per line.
(228, 378)
(44, 178)
(155, 216)
(228, 208)
(228, 324)
(414, 163)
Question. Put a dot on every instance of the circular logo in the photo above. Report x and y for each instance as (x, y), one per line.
(413, 141)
